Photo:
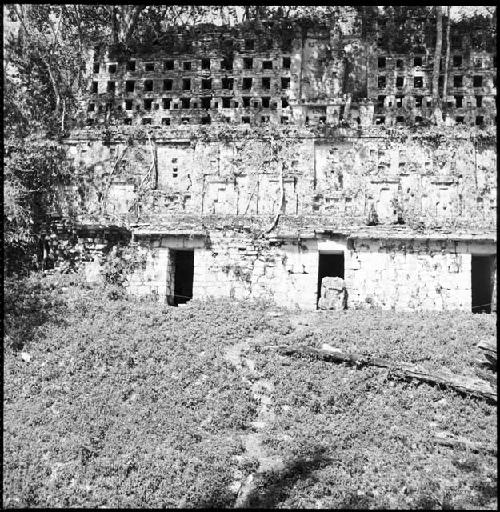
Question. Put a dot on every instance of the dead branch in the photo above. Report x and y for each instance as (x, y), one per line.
(461, 442)
(489, 354)
(399, 371)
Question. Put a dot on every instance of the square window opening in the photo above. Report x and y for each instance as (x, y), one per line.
(227, 64)
(227, 83)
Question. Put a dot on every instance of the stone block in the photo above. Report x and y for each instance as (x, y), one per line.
(333, 294)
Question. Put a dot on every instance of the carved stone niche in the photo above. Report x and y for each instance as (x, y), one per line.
(443, 180)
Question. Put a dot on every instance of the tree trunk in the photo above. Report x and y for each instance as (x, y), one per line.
(437, 61)
(447, 57)
(63, 114)
(54, 85)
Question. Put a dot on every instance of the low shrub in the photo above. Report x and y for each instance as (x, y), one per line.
(131, 403)
(128, 404)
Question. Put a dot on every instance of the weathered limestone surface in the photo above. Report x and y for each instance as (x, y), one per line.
(400, 275)
(410, 182)
(333, 294)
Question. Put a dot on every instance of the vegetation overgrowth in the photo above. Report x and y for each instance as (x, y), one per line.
(131, 403)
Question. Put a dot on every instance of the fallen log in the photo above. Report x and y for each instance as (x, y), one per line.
(400, 371)
(489, 353)
(444, 439)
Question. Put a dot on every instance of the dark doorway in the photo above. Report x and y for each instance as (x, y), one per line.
(330, 265)
(183, 268)
(481, 285)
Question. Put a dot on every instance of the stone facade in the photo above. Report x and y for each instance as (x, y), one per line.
(405, 273)
(251, 162)
(412, 180)
(281, 73)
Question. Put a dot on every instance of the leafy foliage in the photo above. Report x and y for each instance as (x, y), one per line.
(34, 170)
(127, 403)
(120, 263)
(159, 410)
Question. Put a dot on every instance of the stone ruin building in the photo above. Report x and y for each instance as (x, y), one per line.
(257, 160)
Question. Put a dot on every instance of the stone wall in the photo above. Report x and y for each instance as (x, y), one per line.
(400, 274)
(235, 265)
(295, 72)
(262, 146)
(409, 181)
